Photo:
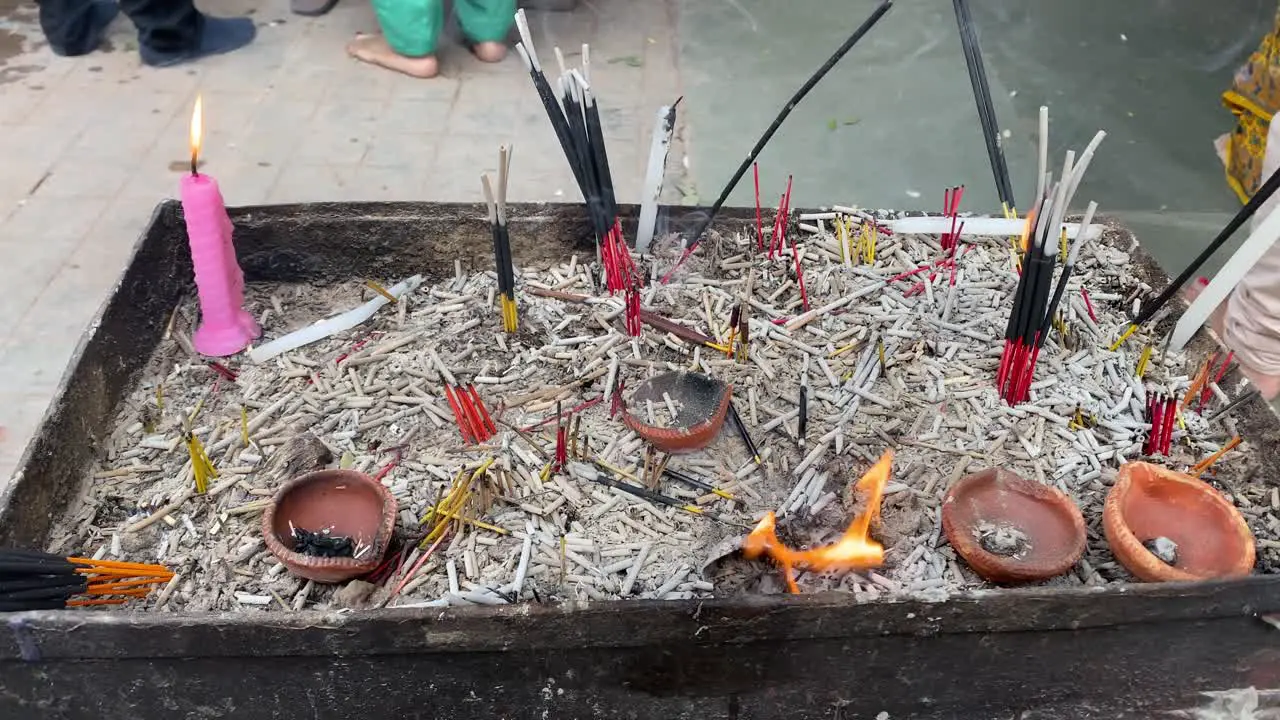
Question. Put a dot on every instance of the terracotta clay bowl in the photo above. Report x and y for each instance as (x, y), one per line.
(347, 502)
(1209, 536)
(1010, 529)
(701, 405)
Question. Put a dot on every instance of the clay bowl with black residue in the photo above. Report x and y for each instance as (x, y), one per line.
(1012, 530)
(346, 502)
(1148, 502)
(701, 403)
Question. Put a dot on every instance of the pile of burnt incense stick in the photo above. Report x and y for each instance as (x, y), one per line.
(491, 520)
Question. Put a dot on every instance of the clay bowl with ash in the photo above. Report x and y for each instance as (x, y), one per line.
(1164, 526)
(700, 403)
(1012, 530)
(330, 525)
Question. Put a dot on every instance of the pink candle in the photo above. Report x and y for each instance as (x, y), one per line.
(226, 327)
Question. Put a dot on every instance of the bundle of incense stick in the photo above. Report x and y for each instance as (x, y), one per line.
(1162, 413)
(575, 118)
(33, 580)
(951, 208)
(497, 201)
(469, 413)
(986, 110)
(1035, 299)
(779, 240)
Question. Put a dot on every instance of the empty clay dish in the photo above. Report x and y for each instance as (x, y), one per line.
(1010, 529)
(1179, 517)
(347, 503)
(701, 404)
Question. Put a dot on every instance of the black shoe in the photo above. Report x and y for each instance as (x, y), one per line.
(217, 36)
(99, 17)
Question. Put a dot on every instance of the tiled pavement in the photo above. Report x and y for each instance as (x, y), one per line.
(89, 145)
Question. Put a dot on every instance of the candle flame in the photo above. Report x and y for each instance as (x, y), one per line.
(855, 550)
(197, 130)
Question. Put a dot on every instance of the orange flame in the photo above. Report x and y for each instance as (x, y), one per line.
(197, 130)
(1028, 227)
(854, 550)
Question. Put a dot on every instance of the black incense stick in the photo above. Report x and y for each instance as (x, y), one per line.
(1263, 194)
(986, 109)
(1252, 394)
(782, 115)
(742, 431)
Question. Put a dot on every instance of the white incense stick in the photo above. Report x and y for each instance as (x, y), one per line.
(526, 39)
(333, 325)
(1257, 245)
(1060, 202)
(1043, 167)
(988, 226)
(663, 127)
(524, 57)
(1078, 174)
(564, 69)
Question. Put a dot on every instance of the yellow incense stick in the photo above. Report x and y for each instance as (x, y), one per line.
(1125, 336)
(191, 419)
(201, 467)
(840, 239)
(380, 290)
(868, 244)
(160, 396)
(840, 351)
(510, 314)
(1143, 361)
(431, 512)
(244, 426)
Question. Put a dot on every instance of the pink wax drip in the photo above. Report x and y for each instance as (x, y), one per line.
(226, 327)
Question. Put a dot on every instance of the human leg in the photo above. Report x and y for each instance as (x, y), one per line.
(173, 31)
(486, 23)
(410, 30)
(75, 27)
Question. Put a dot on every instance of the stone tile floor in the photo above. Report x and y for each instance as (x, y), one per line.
(90, 145)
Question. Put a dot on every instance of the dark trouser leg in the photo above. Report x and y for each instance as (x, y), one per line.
(74, 27)
(164, 25)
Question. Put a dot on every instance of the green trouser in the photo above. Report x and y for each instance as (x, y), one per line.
(412, 27)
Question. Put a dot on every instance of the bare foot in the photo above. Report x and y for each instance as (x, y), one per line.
(374, 50)
(1267, 385)
(490, 52)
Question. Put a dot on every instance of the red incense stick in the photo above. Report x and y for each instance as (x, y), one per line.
(1088, 304)
(1170, 414)
(804, 296)
(775, 240)
(786, 213)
